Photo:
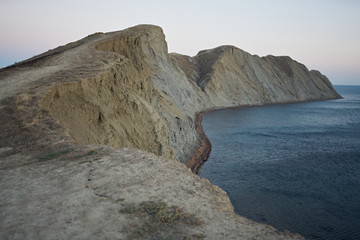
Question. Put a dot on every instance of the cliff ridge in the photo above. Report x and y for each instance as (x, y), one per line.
(72, 117)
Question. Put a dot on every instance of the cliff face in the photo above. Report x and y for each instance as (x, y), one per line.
(125, 90)
(147, 98)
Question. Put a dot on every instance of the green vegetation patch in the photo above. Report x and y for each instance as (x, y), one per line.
(160, 221)
(55, 154)
(91, 152)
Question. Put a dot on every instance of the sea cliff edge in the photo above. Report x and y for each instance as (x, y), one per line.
(99, 131)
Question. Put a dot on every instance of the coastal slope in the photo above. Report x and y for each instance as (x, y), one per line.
(71, 117)
(147, 98)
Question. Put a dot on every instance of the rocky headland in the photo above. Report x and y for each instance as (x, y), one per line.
(96, 135)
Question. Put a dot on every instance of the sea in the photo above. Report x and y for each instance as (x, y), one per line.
(293, 166)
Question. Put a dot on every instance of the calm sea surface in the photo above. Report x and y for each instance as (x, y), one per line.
(295, 166)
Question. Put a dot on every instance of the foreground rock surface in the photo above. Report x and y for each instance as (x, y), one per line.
(85, 198)
(123, 89)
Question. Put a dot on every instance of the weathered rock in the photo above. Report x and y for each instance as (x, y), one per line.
(123, 89)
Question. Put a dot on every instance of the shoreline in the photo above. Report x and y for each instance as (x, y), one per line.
(201, 153)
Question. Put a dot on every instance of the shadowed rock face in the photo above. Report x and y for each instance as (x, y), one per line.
(147, 98)
(124, 89)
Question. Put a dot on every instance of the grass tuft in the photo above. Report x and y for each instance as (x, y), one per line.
(159, 221)
(160, 212)
(92, 152)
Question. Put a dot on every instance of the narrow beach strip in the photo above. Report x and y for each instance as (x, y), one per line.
(201, 153)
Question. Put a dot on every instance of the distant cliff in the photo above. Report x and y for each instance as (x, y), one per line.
(147, 98)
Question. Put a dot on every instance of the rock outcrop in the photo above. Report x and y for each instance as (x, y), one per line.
(124, 90)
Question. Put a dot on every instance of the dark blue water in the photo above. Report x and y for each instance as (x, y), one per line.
(295, 166)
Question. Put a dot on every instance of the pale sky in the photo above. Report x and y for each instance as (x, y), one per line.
(322, 34)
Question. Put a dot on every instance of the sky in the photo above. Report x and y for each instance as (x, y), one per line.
(322, 34)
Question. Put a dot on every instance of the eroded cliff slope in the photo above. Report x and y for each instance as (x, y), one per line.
(147, 98)
(123, 89)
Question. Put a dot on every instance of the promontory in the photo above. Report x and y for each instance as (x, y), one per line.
(99, 137)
